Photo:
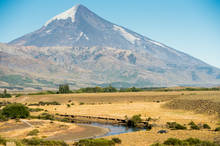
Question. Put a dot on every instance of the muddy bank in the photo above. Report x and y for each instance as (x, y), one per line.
(82, 132)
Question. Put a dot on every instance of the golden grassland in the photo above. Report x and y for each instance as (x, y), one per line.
(146, 138)
(118, 97)
(179, 106)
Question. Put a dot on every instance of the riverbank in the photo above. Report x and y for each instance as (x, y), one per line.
(50, 130)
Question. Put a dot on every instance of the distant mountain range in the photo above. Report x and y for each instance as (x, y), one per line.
(80, 48)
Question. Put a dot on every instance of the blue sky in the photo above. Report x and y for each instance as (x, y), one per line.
(191, 26)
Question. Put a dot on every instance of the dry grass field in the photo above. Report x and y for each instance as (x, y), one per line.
(146, 138)
(182, 107)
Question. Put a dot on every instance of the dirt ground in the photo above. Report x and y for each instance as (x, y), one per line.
(48, 130)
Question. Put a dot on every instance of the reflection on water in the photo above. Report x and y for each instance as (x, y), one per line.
(115, 129)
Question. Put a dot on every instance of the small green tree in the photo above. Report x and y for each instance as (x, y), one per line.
(133, 122)
(15, 110)
(5, 91)
(5, 94)
(110, 89)
(64, 88)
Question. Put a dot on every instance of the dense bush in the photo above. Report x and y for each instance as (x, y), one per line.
(175, 126)
(38, 142)
(195, 127)
(186, 142)
(206, 126)
(148, 126)
(33, 132)
(172, 141)
(134, 121)
(81, 103)
(116, 140)
(96, 89)
(35, 109)
(3, 117)
(33, 142)
(2, 141)
(133, 89)
(43, 93)
(217, 129)
(95, 142)
(15, 110)
(64, 89)
(46, 116)
(42, 103)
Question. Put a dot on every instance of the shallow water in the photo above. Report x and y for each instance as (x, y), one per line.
(115, 129)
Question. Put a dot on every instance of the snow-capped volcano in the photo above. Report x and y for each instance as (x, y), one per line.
(65, 15)
(90, 50)
(78, 26)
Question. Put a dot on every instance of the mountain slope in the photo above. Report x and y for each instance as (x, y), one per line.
(93, 51)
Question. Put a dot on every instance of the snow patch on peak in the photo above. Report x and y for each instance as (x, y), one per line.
(125, 34)
(82, 34)
(158, 44)
(86, 36)
(70, 13)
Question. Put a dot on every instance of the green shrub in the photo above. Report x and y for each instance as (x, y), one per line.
(95, 142)
(68, 105)
(149, 119)
(64, 89)
(38, 142)
(81, 103)
(15, 110)
(33, 132)
(193, 141)
(35, 109)
(191, 123)
(194, 127)
(175, 126)
(3, 117)
(42, 103)
(148, 126)
(49, 103)
(173, 141)
(5, 94)
(206, 126)
(157, 144)
(217, 129)
(134, 121)
(46, 116)
(186, 142)
(65, 120)
(3, 141)
(18, 95)
(116, 140)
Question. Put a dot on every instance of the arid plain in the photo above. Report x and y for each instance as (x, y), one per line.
(201, 107)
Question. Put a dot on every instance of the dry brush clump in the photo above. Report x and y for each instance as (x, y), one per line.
(198, 106)
(186, 142)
